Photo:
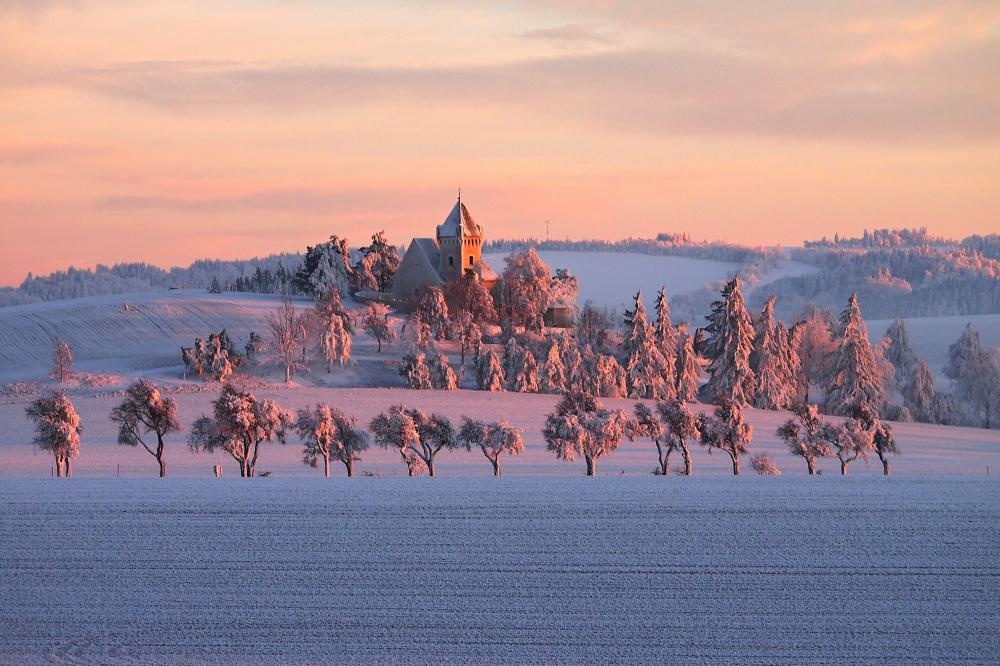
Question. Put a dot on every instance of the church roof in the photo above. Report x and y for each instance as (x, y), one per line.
(459, 224)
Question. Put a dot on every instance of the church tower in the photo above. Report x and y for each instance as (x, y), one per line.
(460, 240)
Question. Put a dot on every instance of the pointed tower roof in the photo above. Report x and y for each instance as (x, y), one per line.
(459, 224)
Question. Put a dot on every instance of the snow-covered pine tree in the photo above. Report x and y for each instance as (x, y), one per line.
(666, 334)
(900, 353)
(728, 344)
(648, 373)
(327, 266)
(572, 362)
(433, 311)
(975, 374)
(769, 360)
(854, 379)
(489, 374)
(553, 373)
(414, 369)
(918, 394)
(443, 377)
(524, 372)
(689, 367)
(511, 357)
(334, 343)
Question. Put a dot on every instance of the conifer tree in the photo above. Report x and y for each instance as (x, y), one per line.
(646, 370)
(489, 374)
(728, 344)
(443, 377)
(918, 394)
(415, 371)
(553, 373)
(610, 379)
(900, 353)
(666, 335)
(854, 379)
(770, 360)
(689, 367)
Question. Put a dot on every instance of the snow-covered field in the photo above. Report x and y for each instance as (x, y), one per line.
(715, 571)
(925, 449)
(610, 279)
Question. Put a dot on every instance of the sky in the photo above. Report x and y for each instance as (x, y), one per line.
(169, 130)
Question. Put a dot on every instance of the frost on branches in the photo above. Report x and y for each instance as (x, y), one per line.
(900, 353)
(286, 327)
(689, 367)
(728, 344)
(520, 368)
(417, 436)
(375, 323)
(146, 412)
(772, 362)
(582, 426)
(433, 311)
(524, 292)
(216, 359)
(57, 429)
(854, 379)
(671, 432)
(726, 431)
(489, 374)
(609, 377)
(467, 295)
(334, 343)
(239, 424)
(975, 375)
(326, 266)
(377, 266)
(553, 373)
(763, 465)
(808, 435)
(326, 433)
(443, 377)
(647, 372)
(62, 361)
(493, 439)
(468, 335)
(666, 335)
(414, 369)
(857, 436)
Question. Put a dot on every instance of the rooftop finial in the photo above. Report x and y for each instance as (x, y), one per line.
(460, 195)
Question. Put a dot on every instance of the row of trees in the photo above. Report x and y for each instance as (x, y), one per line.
(581, 426)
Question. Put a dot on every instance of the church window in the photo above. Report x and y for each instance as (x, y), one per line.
(451, 261)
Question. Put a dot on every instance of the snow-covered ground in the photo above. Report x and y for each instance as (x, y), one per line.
(606, 570)
(925, 449)
(610, 279)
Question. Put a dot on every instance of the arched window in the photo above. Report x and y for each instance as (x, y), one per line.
(470, 259)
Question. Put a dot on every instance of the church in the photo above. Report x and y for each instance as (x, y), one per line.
(457, 246)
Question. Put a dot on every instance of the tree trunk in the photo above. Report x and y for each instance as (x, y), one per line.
(688, 463)
(812, 465)
(350, 468)
(843, 468)
(326, 466)
(379, 341)
(430, 467)
(163, 466)
(59, 467)
(69, 467)
(885, 466)
(591, 466)
(496, 466)
(288, 373)
(736, 464)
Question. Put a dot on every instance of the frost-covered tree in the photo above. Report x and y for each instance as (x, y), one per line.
(900, 353)
(376, 324)
(414, 369)
(378, 264)
(854, 379)
(489, 374)
(253, 348)
(763, 465)
(524, 291)
(493, 439)
(593, 327)
(666, 334)
(582, 426)
(857, 436)
(334, 343)
(216, 359)
(520, 368)
(609, 377)
(770, 361)
(647, 372)
(808, 435)
(572, 363)
(324, 267)
(919, 396)
(285, 335)
(62, 361)
(466, 294)
(239, 424)
(146, 412)
(814, 345)
(415, 434)
(728, 344)
(689, 367)
(726, 431)
(443, 377)
(467, 334)
(326, 433)
(975, 374)
(680, 428)
(433, 311)
(884, 443)
(57, 429)
(553, 373)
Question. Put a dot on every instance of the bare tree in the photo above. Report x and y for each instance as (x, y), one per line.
(285, 336)
(808, 435)
(62, 361)
(582, 426)
(146, 411)
(493, 439)
(416, 435)
(727, 431)
(57, 429)
(327, 432)
(240, 423)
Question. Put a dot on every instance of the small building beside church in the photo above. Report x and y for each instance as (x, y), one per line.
(457, 246)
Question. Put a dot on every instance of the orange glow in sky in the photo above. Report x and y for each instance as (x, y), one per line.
(169, 130)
